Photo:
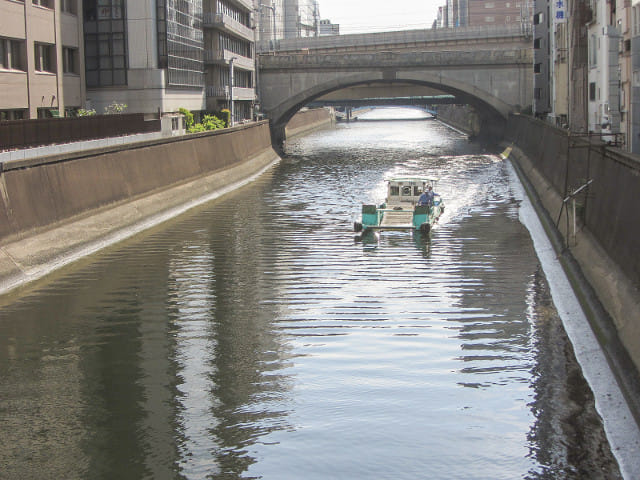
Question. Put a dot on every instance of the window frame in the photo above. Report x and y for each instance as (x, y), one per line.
(45, 58)
(10, 50)
(70, 61)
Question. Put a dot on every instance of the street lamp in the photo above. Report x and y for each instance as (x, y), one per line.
(273, 16)
(231, 121)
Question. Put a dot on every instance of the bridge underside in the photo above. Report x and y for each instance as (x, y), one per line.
(494, 83)
(491, 114)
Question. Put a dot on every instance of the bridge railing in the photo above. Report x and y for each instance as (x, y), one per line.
(440, 59)
(405, 37)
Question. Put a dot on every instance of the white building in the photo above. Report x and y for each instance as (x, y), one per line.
(604, 69)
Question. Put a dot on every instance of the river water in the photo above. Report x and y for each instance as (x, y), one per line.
(255, 338)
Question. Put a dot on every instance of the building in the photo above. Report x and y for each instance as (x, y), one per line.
(159, 56)
(472, 13)
(270, 23)
(634, 133)
(541, 59)
(496, 12)
(146, 55)
(604, 69)
(41, 58)
(229, 50)
(301, 18)
(327, 28)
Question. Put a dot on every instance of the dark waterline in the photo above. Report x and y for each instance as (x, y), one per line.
(253, 338)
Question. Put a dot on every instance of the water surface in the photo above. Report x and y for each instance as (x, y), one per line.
(254, 338)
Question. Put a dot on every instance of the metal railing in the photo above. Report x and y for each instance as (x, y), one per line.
(18, 134)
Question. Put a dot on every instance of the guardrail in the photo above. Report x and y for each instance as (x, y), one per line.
(404, 36)
(395, 59)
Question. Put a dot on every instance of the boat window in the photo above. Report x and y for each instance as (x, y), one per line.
(417, 191)
(406, 191)
(394, 191)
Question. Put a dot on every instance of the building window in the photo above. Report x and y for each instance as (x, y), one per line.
(593, 51)
(44, 112)
(592, 91)
(45, 57)
(105, 43)
(537, 67)
(6, 115)
(537, 93)
(44, 3)
(12, 54)
(536, 43)
(181, 42)
(70, 62)
(69, 6)
(538, 18)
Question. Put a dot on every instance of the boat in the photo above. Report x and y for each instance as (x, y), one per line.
(401, 210)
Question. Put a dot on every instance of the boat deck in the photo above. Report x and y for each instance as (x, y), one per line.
(397, 219)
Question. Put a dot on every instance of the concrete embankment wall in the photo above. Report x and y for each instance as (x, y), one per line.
(602, 252)
(308, 120)
(462, 117)
(59, 207)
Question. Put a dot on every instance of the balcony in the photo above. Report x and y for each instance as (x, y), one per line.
(217, 57)
(247, 4)
(239, 93)
(227, 24)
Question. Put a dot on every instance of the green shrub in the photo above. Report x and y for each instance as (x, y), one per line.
(188, 117)
(196, 127)
(226, 117)
(209, 122)
(115, 108)
(212, 123)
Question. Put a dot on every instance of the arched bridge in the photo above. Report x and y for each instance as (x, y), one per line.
(489, 69)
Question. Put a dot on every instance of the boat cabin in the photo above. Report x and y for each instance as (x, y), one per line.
(407, 189)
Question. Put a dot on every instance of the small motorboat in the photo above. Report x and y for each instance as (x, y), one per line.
(405, 207)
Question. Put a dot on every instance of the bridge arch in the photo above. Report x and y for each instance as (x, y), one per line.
(491, 110)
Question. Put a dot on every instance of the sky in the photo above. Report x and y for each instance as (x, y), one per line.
(366, 16)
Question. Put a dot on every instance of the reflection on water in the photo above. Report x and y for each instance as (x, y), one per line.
(254, 338)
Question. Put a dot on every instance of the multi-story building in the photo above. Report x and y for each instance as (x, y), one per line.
(327, 28)
(270, 16)
(229, 39)
(542, 63)
(496, 12)
(147, 55)
(624, 23)
(301, 18)
(604, 69)
(41, 58)
(159, 56)
(465, 13)
(634, 133)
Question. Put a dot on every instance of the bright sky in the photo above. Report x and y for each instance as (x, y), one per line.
(366, 16)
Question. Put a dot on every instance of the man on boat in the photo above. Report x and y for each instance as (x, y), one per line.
(427, 197)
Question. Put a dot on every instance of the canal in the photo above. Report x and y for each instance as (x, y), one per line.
(254, 338)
